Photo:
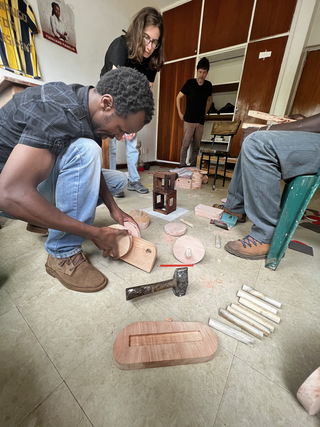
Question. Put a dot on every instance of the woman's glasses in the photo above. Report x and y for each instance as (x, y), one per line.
(155, 43)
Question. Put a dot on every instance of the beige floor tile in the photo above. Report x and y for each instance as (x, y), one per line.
(60, 409)
(252, 400)
(173, 396)
(70, 325)
(6, 302)
(27, 375)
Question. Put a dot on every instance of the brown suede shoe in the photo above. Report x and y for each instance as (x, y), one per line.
(241, 217)
(76, 273)
(248, 248)
(36, 229)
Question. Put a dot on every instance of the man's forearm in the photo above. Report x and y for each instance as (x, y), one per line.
(105, 194)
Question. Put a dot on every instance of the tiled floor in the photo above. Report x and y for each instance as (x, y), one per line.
(56, 364)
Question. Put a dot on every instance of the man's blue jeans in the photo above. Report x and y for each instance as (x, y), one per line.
(73, 187)
(132, 157)
(266, 158)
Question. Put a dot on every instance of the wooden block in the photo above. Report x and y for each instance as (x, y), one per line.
(165, 203)
(175, 229)
(142, 218)
(188, 250)
(164, 181)
(268, 117)
(124, 242)
(208, 212)
(142, 254)
(157, 344)
(309, 393)
(184, 183)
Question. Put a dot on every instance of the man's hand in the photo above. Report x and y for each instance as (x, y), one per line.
(120, 217)
(181, 116)
(107, 241)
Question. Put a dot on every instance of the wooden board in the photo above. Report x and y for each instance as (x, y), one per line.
(269, 117)
(208, 212)
(157, 344)
(188, 250)
(175, 229)
(124, 242)
(142, 218)
(309, 393)
(142, 255)
(184, 183)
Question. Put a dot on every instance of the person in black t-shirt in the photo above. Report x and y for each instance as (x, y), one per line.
(140, 48)
(199, 99)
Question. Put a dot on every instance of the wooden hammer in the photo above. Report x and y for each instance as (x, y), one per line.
(178, 283)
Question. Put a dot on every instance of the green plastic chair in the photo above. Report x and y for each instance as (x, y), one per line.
(295, 199)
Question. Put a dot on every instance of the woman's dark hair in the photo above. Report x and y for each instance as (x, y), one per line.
(134, 36)
(130, 91)
(203, 64)
(53, 4)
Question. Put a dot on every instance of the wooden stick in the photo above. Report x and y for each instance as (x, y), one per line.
(253, 316)
(269, 117)
(243, 325)
(259, 310)
(233, 333)
(257, 301)
(261, 296)
(247, 319)
(186, 222)
(251, 125)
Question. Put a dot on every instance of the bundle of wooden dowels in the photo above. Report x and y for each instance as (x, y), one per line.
(257, 321)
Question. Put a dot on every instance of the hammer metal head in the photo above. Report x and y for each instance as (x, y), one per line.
(180, 278)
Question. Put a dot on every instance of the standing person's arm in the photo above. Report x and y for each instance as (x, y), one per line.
(178, 104)
(209, 103)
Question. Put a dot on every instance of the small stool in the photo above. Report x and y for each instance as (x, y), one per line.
(295, 199)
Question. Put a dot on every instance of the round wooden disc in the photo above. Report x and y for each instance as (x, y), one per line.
(124, 242)
(175, 229)
(133, 229)
(188, 250)
(142, 218)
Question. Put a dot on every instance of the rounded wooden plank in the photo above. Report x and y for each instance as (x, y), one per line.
(156, 344)
(142, 218)
(124, 242)
(133, 229)
(188, 250)
(175, 229)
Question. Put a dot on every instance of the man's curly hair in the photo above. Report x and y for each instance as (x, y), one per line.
(130, 91)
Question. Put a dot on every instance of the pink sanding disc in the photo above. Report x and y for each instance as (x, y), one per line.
(133, 229)
(175, 229)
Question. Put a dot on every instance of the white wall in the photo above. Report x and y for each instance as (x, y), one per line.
(97, 23)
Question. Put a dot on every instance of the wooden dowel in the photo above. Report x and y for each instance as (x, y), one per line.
(262, 296)
(257, 301)
(247, 319)
(186, 222)
(243, 325)
(253, 316)
(231, 332)
(259, 310)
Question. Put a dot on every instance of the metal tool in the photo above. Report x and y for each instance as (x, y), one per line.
(178, 283)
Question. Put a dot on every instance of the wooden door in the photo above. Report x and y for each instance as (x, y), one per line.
(225, 23)
(307, 99)
(259, 79)
(272, 17)
(170, 128)
(181, 30)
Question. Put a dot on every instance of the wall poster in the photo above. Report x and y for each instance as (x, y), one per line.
(57, 22)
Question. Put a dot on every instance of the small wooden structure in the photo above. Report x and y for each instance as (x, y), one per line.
(164, 194)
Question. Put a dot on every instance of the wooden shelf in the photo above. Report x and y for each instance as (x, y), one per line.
(226, 87)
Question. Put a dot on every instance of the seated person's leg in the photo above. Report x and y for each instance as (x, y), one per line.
(112, 153)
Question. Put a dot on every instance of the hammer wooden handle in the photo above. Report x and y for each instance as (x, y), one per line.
(138, 291)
